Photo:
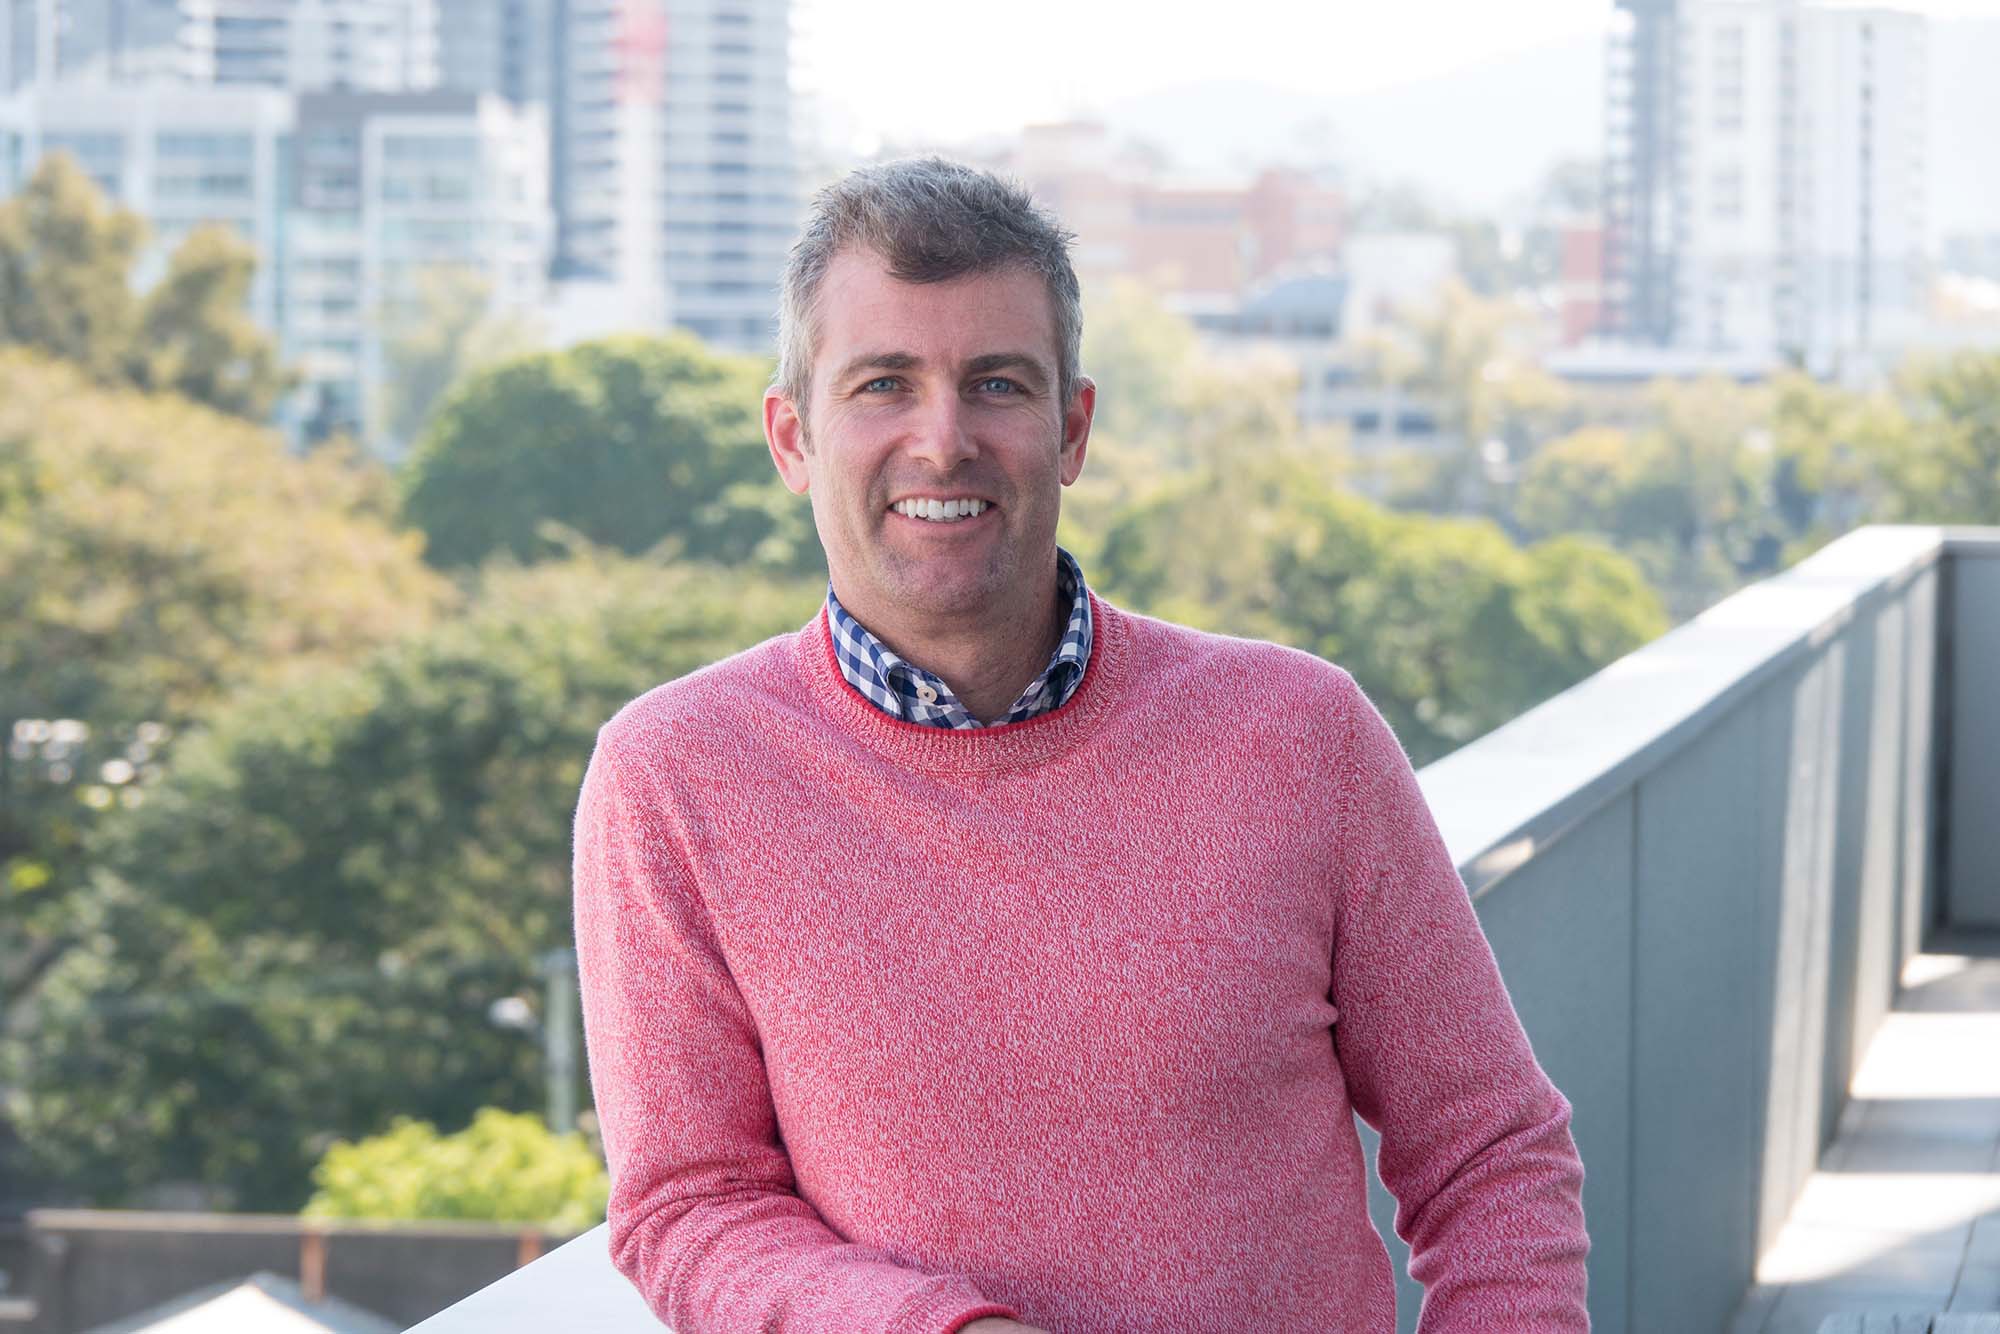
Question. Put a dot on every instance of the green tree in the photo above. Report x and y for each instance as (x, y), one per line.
(154, 557)
(298, 931)
(1458, 353)
(506, 1167)
(437, 340)
(1169, 407)
(1692, 492)
(196, 337)
(1450, 627)
(66, 259)
(66, 254)
(630, 441)
(1944, 467)
(1145, 360)
(1580, 484)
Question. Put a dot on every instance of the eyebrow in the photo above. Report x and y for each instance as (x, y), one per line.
(879, 361)
(1022, 364)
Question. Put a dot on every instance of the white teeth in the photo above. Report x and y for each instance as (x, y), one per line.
(940, 511)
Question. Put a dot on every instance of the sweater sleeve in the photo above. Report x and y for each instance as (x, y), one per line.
(1476, 1144)
(704, 1215)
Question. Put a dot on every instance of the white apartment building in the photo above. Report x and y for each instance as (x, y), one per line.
(672, 172)
(666, 123)
(607, 94)
(1767, 182)
(503, 47)
(730, 202)
(387, 186)
(368, 45)
(346, 197)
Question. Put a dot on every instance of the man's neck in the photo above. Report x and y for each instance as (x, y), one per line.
(987, 661)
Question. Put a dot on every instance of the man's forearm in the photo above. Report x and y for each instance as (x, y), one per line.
(767, 1261)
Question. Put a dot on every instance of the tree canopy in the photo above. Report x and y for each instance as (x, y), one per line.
(66, 261)
(1448, 626)
(155, 556)
(506, 1167)
(629, 441)
(297, 932)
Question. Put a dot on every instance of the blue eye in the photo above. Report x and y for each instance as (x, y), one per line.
(1005, 386)
(879, 382)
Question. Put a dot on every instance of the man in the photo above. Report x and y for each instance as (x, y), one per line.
(986, 957)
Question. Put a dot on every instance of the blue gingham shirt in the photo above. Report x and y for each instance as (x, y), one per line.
(904, 690)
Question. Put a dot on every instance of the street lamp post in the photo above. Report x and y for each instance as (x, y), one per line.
(559, 1037)
(556, 1029)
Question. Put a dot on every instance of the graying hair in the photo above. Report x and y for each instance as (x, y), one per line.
(931, 220)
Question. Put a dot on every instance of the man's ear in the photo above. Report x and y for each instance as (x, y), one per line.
(785, 433)
(1076, 428)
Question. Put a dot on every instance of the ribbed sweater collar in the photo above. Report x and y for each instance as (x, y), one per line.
(979, 750)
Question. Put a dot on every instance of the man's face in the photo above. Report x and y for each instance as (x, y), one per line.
(928, 392)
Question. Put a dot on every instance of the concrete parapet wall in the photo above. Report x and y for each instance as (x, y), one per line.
(1702, 872)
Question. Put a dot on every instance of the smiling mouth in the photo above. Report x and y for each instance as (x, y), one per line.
(941, 511)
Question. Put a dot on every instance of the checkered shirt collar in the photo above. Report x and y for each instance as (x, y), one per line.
(904, 690)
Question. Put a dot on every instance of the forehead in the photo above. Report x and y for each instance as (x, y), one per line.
(863, 308)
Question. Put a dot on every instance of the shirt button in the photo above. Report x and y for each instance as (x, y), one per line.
(928, 694)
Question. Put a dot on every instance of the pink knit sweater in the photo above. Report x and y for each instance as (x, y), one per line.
(892, 1027)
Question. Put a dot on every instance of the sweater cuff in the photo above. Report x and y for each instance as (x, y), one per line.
(948, 1306)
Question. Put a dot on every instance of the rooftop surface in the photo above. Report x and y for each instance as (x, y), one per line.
(1903, 1215)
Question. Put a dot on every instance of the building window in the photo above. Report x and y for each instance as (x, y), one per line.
(430, 148)
(209, 147)
(1729, 78)
(1726, 187)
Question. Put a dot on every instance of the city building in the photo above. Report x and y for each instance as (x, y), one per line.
(1579, 279)
(372, 45)
(179, 156)
(1206, 245)
(730, 197)
(672, 173)
(502, 47)
(607, 85)
(346, 197)
(1332, 327)
(1766, 184)
(386, 186)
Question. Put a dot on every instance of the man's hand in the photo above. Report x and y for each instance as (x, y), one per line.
(994, 1324)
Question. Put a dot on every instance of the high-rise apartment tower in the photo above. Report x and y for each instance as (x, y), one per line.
(1766, 180)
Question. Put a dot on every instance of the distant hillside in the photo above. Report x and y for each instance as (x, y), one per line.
(1475, 138)
(1482, 137)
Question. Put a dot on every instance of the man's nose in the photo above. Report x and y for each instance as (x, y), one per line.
(942, 435)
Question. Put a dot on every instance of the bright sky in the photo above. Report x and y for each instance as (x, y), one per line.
(942, 70)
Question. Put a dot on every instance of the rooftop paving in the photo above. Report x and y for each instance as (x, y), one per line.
(1903, 1216)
